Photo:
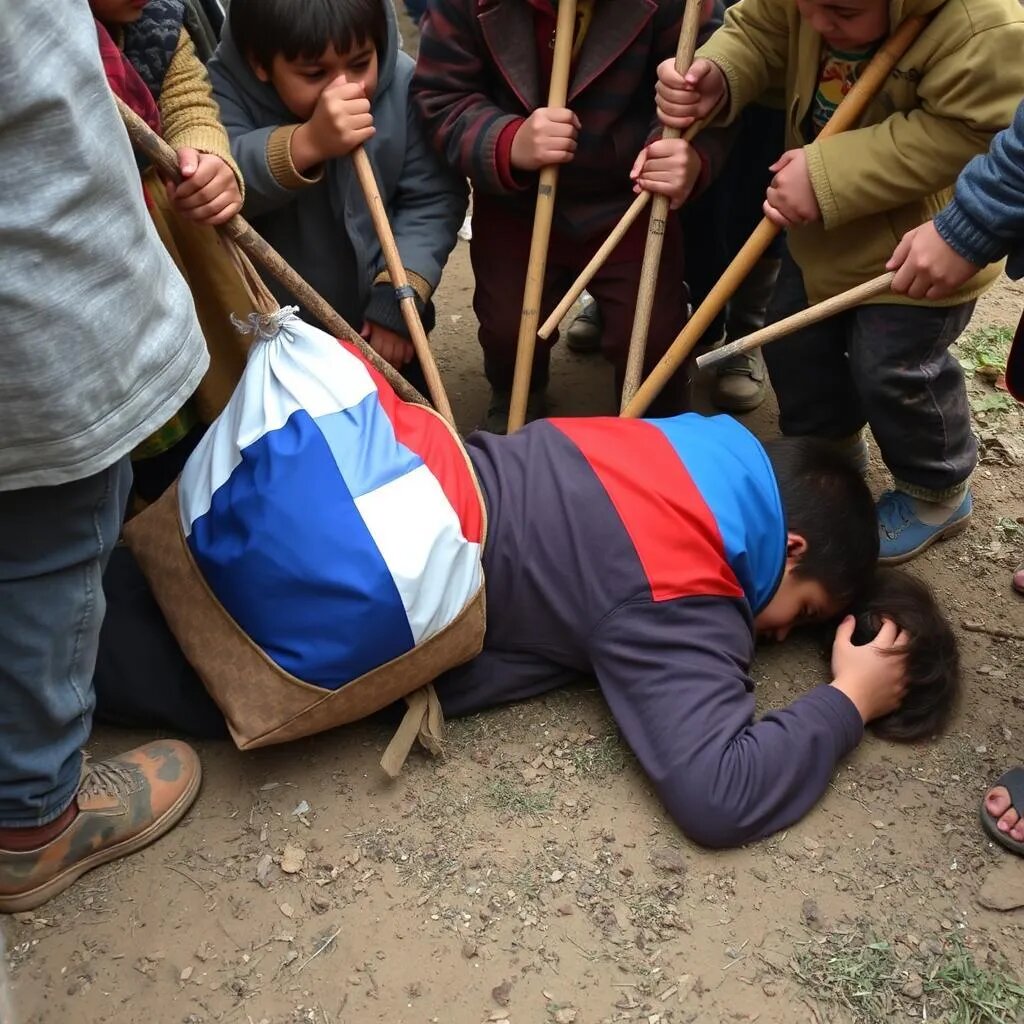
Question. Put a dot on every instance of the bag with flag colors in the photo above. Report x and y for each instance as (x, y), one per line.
(320, 556)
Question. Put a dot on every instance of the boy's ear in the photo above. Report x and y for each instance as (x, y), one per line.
(258, 69)
(796, 548)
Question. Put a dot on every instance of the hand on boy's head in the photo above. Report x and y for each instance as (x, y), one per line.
(873, 676)
(926, 266)
(668, 167)
(682, 99)
(209, 193)
(791, 199)
(391, 347)
(546, 137)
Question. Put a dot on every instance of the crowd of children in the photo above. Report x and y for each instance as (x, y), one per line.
(291, 92)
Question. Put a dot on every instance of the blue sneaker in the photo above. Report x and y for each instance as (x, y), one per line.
(902, 535)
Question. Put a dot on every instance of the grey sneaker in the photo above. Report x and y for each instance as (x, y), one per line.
(584, 334)
(740, 383)
(496, 421)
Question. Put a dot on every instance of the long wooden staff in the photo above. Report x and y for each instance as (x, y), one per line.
(400, 282)
(812, 315)
(239, 231)
(609, 245)
(846, 116)
(537, 267)
(656, 226)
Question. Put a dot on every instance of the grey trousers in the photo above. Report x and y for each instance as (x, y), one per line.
(888, 366)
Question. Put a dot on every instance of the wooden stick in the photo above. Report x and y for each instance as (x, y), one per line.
(822, 311)
(847, 114)
(609, 245)
(537, 267)
(400, 282)
(263, 254)
(656, 226)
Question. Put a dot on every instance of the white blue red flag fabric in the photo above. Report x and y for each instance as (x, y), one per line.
(338, 525)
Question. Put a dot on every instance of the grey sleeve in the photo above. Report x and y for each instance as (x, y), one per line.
(675, 676)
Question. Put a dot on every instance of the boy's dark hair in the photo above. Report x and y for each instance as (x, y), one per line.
(826, 501)
(294, 29)
(933, 657)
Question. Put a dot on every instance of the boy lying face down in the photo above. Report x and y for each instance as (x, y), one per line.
(649, 553)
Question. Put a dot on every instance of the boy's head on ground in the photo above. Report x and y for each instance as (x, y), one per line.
(832, 535)
(117, 12)
(301, 46)
(847, 24)
(932, 654)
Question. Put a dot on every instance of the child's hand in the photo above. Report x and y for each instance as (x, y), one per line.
(791, 199)
(873, 676)
(391, 347)
(926, 267)
(547, 136)
(340, 123)
(668, 167)
(209, 194)
(682, 99)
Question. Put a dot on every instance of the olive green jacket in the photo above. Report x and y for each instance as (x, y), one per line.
(957, 85)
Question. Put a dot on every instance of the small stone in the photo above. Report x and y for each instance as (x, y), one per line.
(556, 876)
(761, 876)
(264, 867)
(319, 905)
(565, 1015)
(914, 988)
(186, 974)
(287, 909)
(469, 949)
(292, 859)
(303, 808)
(1003, 889)
(502, 994)
(811, 914)
(982, 749)
(878, 824)
(668, 859)
(770, 989)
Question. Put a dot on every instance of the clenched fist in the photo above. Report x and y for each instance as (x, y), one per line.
(667, 167)
(341, 121)
(547, 136)
(683, 99)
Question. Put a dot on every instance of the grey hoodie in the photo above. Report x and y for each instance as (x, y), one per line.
(99, 344)
(324, 229)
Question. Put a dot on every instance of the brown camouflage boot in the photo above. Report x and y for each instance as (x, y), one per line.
(123, 804)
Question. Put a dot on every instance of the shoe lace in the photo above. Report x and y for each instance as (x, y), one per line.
(895, 513)
(106, 778)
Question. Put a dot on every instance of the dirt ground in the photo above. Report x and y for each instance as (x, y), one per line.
(531, 876)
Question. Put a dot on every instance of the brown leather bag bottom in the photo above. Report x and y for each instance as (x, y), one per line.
(262, 703)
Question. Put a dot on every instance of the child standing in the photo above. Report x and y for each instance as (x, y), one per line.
(846, 200)
(481, 78)
(151, 64)
(301, 84)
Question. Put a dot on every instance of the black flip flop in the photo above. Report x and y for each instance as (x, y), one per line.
(1013, 782)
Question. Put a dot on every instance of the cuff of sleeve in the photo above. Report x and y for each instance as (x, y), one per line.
(279, 160)
(840, 709)
(966, 237)
(503, 156)
(384, 309)
(819, 182)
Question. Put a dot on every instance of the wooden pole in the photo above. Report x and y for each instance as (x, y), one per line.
(656, 226)
(400, 282)
(822, 311)
(264, 255)
(847, 114)
(537, 267)
(609, 245)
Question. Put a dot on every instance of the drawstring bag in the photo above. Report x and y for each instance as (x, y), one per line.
(320, 556)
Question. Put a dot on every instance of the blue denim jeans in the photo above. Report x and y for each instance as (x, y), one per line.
(54, 545)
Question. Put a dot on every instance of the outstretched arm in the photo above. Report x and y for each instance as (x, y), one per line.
(675, 676)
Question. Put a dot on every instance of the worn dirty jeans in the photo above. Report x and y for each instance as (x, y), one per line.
(885, 365)
(54, 545)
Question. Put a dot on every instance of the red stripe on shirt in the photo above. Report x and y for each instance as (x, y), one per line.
(425, 433)
(671, 527)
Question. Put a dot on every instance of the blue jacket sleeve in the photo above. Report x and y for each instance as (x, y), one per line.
(985, 220)
(675, 676)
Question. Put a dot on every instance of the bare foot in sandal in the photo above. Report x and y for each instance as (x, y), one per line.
(1002, 811)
